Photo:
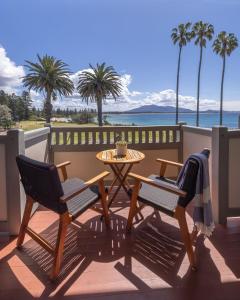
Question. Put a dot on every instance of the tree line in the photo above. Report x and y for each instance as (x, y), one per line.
(200, 32)
(20, 106)
(14, 108)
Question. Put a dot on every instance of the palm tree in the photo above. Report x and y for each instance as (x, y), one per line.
(49, 76)
(99, 83)
(224, 45)
(202, 32)
(181, 36)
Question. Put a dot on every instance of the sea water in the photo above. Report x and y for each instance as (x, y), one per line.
(230, 119)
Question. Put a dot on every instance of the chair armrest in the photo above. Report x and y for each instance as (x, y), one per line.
(160, 185)
(164, 163)
(66, 163)
(169, 162)
(63, 169)
(82, 188)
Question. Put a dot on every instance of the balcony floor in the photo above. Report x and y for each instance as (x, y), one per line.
(148, 264)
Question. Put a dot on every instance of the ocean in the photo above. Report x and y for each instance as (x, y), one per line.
(230, 119)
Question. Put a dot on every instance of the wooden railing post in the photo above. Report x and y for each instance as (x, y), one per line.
(180, 151)
(50, 157)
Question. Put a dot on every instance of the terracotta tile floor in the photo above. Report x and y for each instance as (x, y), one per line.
(98, 264)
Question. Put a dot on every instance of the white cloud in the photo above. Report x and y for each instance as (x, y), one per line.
(132, 99)
(74, 77)
(10, 81)
(10, 74)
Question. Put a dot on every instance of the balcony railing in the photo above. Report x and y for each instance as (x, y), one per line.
(171, 142)
(98, 138)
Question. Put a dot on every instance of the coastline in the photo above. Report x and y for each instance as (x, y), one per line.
(173, 113)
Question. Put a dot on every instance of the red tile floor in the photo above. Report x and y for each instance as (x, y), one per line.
(99, 264)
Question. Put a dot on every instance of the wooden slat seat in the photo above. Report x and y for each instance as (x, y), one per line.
(83, 201)
(159, 199)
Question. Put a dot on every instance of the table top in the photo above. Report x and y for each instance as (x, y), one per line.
(110, 157)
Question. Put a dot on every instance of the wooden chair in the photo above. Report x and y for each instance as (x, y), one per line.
(69, 199)
(164, 195)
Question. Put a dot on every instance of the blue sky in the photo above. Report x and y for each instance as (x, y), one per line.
(131, 35)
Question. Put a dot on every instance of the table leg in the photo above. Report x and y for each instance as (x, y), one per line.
(121, 175)
(115, 179)
(121, 178)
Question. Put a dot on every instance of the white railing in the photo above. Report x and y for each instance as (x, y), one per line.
(97, 138)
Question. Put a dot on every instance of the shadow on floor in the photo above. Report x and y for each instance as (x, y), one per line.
(153, 243)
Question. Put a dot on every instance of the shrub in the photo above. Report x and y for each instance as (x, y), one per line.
(84, 117)
(5, 117)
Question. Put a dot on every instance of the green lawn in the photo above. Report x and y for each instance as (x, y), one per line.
(31, 125)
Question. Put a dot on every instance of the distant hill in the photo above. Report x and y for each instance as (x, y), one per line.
(157, 109)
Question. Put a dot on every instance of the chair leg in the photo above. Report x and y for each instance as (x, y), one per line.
(25, 221)
(133, 204)
(58, 253)
(104, 202)
(181, 217)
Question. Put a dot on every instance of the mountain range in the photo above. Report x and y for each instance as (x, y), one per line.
(164, 109)
(157, 109)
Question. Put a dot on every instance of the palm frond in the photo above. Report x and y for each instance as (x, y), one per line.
(99, 83)
(182, 34)
(48, 73)
(202, 33)
(225, 43)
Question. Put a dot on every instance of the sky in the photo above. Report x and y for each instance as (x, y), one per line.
(131, 35)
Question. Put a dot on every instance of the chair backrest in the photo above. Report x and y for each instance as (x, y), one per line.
(190, 179)
(41, 182)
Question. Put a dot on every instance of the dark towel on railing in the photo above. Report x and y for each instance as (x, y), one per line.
(202, 215)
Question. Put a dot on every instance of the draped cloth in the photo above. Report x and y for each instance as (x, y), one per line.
(202, 215)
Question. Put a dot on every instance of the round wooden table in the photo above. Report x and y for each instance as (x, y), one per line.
(121, 166)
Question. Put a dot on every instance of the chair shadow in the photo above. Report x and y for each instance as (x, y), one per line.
(226, 240)
(157, 246)
(154, 244)
(84, 243)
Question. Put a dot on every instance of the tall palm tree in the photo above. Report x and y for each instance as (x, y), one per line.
(49, 76)
(202, 32)
(224, 45)
(98, 84)
(181, 35)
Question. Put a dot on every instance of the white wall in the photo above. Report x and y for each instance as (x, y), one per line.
(195, 142)
(234, 176)
(85, 165)
(37, 151)
(3, 192)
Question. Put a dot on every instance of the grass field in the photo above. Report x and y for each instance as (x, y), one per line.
(31, 125)
(81, 139)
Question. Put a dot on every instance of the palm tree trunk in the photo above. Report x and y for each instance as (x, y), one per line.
(177, 88)
(198, 85)
(221, 95)
(99, 108)
(48, 107)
